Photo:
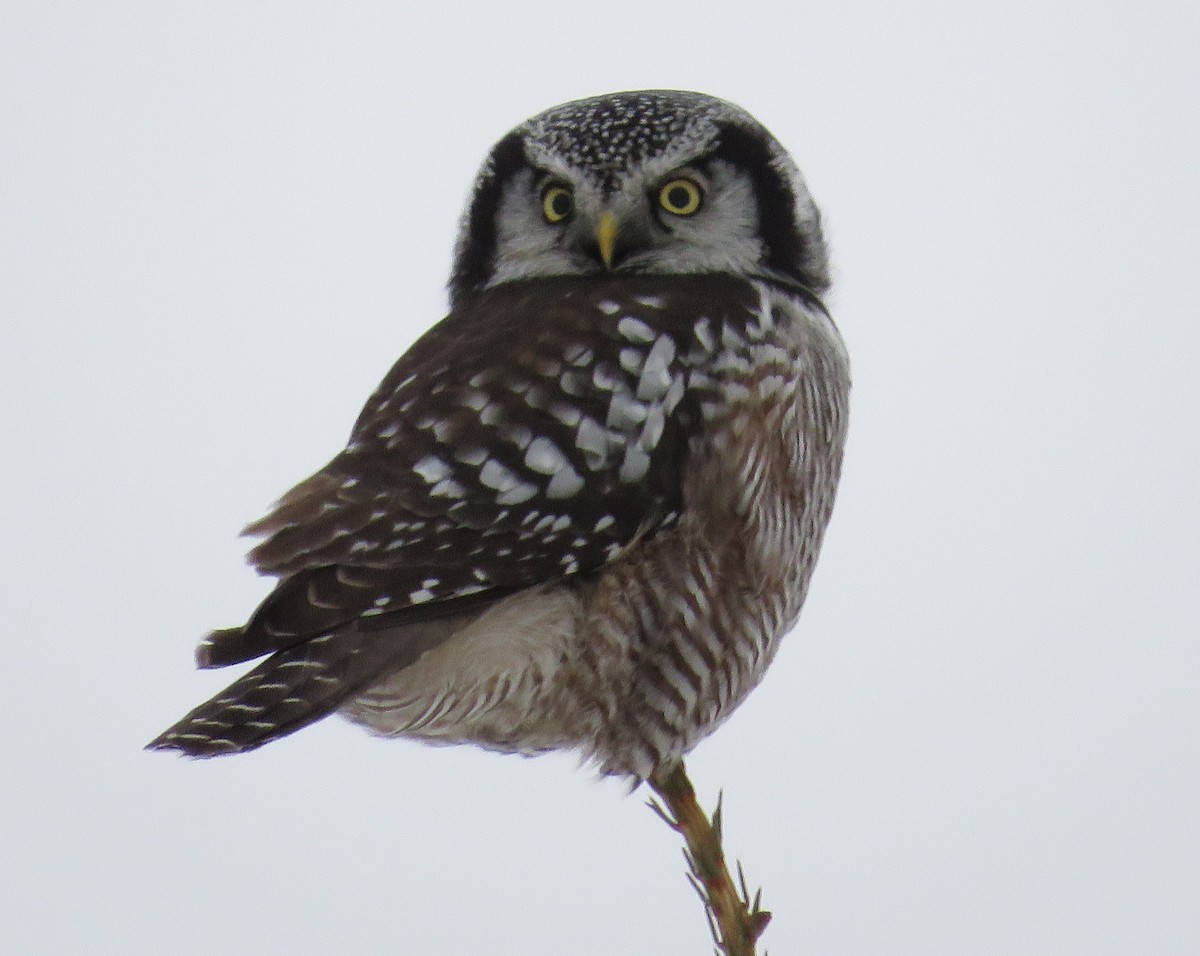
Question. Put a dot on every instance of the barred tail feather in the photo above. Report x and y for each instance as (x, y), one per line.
(299, 685)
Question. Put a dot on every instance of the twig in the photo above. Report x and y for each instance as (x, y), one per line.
(735, 920)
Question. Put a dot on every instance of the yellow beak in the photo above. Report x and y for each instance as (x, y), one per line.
(606, 236)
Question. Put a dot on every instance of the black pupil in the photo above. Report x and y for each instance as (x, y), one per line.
(560, 204)
(678, 197)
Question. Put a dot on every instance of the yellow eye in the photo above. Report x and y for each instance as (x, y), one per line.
(680, 197)
(557, 203)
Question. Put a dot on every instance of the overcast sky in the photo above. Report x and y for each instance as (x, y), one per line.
(221, 222)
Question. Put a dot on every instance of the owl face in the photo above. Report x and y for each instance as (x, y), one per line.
(654, 182)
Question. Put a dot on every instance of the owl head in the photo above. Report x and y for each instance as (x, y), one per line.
(657, 182)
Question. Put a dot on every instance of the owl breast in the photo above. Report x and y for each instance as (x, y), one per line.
(680, 630)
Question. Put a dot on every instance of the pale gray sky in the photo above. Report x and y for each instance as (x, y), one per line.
(220, 223)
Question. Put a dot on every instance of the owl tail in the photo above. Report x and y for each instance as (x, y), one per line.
(288, 690)
(298, 685)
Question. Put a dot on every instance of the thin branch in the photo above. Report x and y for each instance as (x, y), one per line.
(735, 920)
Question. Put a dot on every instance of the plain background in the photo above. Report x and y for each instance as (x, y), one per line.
(221, 222)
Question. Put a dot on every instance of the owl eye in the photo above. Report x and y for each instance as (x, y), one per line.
(557, 203)
(680, 197)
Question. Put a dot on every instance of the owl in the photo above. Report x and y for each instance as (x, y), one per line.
(582, 510)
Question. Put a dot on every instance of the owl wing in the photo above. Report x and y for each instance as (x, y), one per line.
(529, 437)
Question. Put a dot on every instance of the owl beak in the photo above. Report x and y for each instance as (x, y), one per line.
(606, 236)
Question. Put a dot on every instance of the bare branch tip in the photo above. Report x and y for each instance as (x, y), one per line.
(735, 920)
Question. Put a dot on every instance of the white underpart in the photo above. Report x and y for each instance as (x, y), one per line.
(485, 683)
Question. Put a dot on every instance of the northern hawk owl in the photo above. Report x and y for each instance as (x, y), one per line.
(581, 511)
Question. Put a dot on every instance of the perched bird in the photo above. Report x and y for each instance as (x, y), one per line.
(581, 511)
